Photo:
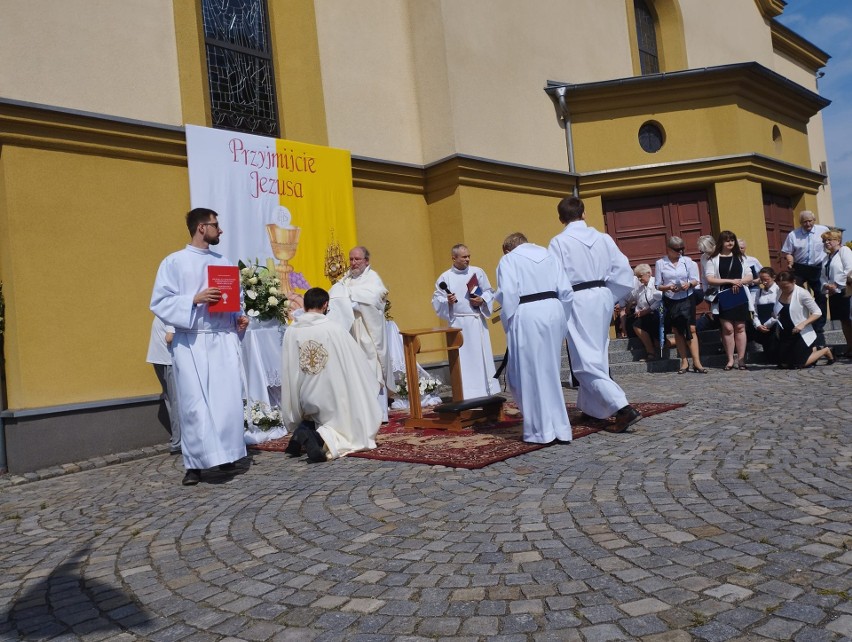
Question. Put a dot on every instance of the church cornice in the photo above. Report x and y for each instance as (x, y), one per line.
(782, 177)
(788, 42)
(736, 82)
(770, 8)
(31, 125)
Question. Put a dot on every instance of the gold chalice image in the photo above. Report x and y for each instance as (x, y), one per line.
(284, 241)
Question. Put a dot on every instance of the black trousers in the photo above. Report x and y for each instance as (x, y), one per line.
(808, 276)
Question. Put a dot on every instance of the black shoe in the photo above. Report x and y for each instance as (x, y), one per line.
(192, 477)
(228, 467)
(177, 451)
(294, 448)
(625, 418)
(314, 447)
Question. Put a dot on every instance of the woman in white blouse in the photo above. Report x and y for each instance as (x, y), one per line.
(795, 312)
(835, 270)
(676, 277)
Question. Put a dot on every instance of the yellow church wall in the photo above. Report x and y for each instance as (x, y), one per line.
(81, 238)
(610, 140)
(115, 58)
(739, 208)
(394, 226)
(724, 32)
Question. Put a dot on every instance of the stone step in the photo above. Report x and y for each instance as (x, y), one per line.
(624, 354)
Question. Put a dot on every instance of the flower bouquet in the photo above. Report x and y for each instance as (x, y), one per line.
(264, 299)
(428, 387)
(262, 422)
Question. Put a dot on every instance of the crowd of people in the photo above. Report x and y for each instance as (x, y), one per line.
(784, 312)
(336, 375)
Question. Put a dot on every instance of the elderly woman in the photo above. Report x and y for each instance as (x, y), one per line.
(676, 277)
(795, 311)
(726, 270)
(645, 300)
(706, 245)
(835, 271)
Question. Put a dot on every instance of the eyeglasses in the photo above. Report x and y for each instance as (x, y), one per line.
(676, 249)
(216, 225)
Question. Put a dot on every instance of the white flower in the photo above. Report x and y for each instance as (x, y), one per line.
(251, 294)
(273, 290)
(253, 313)
(253, 280)
(272, 301)
(246, 271)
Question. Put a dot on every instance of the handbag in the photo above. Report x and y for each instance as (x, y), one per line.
(729, 299)
(710, 294)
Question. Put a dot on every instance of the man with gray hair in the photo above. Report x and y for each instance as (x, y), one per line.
(803, 252)
(358, 304)
(463, 297)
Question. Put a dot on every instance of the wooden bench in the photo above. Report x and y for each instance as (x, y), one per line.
(458, 414)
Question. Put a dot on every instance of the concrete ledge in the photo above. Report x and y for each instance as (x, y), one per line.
(37, 440)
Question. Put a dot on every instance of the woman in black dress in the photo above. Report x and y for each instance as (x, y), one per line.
(726, 270)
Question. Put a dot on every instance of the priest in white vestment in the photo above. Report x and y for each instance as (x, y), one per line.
(205, 351)
(326, 378)
(536, 298)
(358, 305)
(600, 276)
(469, 311)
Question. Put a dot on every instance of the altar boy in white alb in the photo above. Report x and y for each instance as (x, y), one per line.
(536, 300)
(454, 302)
(205, 351)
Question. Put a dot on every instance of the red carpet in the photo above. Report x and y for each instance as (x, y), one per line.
(471, 448)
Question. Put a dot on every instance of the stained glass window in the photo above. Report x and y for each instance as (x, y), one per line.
(239, 66)
(646, 34)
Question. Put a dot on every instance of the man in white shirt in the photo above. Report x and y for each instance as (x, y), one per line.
(205, 351)
(600, 275)
(803, 252)
(463, 297)
(358, 305)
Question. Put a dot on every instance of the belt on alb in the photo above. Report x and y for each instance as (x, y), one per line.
(538, 296)
(588, 285)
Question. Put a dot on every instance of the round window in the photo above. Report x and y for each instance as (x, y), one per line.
(651, 137)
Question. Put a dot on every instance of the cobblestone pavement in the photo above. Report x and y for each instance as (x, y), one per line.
(728, 519)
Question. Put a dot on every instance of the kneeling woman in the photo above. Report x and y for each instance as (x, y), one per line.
(795, 311)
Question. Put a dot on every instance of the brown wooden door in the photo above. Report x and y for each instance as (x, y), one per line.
(640, 226)
(778, 213)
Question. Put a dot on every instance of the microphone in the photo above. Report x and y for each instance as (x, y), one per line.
(443, 286)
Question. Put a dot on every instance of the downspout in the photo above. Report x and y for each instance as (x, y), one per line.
(563, 116)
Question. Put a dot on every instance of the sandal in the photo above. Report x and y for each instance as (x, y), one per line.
(699, 370)
(730, 367)
(829, 358)
(742, 366)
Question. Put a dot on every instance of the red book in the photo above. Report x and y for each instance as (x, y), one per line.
(473, 286)
(225, 278)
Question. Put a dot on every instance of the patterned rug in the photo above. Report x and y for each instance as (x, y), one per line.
(471, 448)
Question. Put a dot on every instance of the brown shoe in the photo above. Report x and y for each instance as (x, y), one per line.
(625, 418)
